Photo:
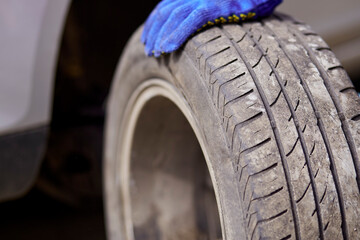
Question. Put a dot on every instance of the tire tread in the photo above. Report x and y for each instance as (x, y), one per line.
(278, 129)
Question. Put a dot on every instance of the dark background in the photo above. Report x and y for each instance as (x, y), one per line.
(66, 201)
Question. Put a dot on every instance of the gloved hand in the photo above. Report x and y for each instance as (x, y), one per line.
(172, 22)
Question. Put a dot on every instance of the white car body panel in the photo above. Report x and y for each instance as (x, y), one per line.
(29, 41)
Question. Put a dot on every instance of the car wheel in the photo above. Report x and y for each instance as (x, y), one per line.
(249, 131)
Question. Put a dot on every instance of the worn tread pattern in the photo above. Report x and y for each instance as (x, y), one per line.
(291, 118)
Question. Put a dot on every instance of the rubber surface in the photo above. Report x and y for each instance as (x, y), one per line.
(290, 118)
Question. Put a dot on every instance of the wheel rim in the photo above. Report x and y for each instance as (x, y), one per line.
(171, 197)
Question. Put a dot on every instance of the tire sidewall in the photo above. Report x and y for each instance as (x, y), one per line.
(177, 70)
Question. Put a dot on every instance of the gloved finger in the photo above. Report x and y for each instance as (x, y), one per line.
(229, 7)
(162, 9)
(176, 17)
(158, 17)
(147, 26)
(175, 35)
(265, 8)
(211, 11)
(183, 31)
(167, 32)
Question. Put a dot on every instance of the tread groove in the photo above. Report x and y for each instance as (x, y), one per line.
(335, 67)
(276, 99)
(223, 66)
(313, 213)
(251, 217)
(303, 130)
(257, 173)
(297, 105)
(227, 82)
(239, 97)
(227, 122)
(304, 193)
(312, 149)
(347, 89)
(249, 120)
(356, 117)
(322, 131)
(316, 173)
(242, 38)
(215, 54)
(276, 133)
(295, 109)
(322, 144)
(300, 137)
(277, 62)
(240, 125)
(293, 147)
(326, 226)
(276, 65)
(260, 37)
(323, 48)
(253, 148)
(265, 196)
(287, 237)
(323, 196)
(267, 220)
(265, 170)
(211, 56)
(209, 41)
(258, 62)
(344, 125)
(242, 169)
(310, 34)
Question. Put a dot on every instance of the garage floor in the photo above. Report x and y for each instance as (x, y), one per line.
(36, 216)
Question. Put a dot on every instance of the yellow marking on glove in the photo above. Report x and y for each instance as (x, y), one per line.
(230, 19)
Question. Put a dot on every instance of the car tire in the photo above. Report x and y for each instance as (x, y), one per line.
(270, 109)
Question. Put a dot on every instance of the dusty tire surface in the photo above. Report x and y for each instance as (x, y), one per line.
(280, 121)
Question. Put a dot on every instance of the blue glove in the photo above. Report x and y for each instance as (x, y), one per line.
(172, 22)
